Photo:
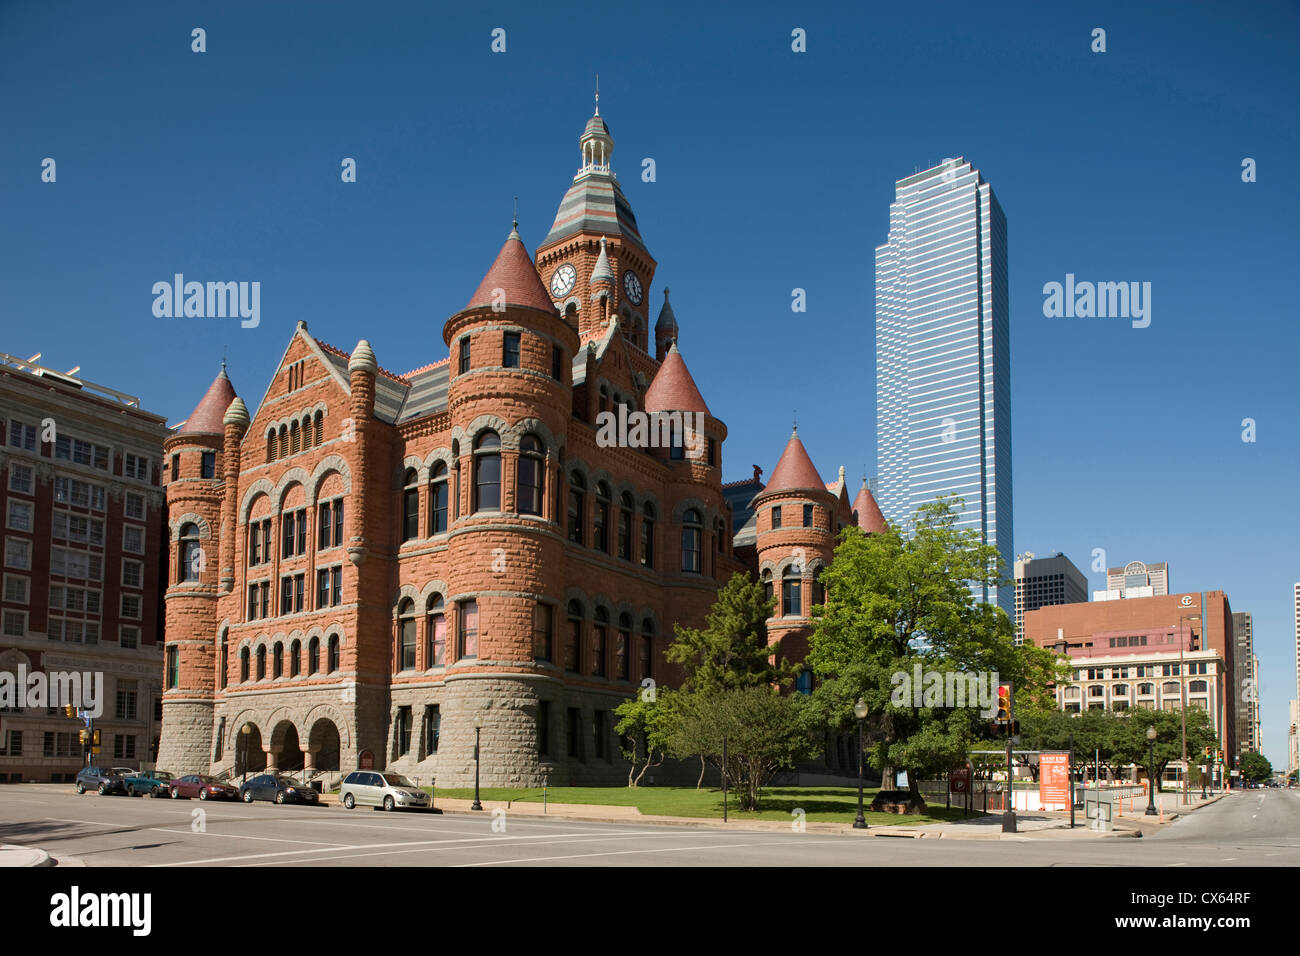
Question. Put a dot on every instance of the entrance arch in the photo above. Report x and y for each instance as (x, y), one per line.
(323, 741)
(285, 749)
(249, 755)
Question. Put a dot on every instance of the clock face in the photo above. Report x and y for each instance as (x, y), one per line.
(562, 280)
(632, 285)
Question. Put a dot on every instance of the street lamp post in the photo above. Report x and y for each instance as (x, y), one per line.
(1182, 695)
(478, 729)
(243, 740)
(1151, 771)
(860, 712)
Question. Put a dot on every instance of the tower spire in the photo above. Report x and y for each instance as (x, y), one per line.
(597, 94)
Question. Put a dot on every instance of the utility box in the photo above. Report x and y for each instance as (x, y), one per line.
(1099, 810)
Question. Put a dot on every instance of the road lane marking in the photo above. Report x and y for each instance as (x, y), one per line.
(677, 849)
(238, 836)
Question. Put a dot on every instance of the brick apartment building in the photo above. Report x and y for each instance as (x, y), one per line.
(372, 566)
(1147, 652)
(82, 532)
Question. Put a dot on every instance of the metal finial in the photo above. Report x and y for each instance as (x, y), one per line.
(597, 94)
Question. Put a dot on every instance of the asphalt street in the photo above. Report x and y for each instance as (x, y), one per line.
(1250, 828)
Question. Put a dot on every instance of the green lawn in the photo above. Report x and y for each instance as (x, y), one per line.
(820, 804)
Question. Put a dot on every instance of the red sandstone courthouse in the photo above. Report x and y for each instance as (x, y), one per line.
(372, 563)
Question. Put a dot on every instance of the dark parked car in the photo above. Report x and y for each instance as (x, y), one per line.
(280, 789)
(156, 783)
(201, 786)
(104, 779)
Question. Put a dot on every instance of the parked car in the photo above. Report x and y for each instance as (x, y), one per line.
(376, 789)
(280, 789)
(156, 783)
(201, 786)
(104, 779)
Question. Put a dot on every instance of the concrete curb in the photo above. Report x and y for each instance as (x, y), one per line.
(16, 856)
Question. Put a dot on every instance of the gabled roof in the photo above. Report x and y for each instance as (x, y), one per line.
(514, 273)
(795, 470)
(870, 519)
(208, 414)
(673, 389)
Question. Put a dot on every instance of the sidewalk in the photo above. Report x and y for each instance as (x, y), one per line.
(11, 855)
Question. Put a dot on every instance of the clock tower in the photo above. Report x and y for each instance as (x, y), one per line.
(593, 261)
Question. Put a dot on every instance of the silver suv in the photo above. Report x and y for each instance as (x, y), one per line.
(381, 789)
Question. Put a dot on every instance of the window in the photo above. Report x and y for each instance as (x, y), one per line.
(1197, 687)
(464, 354)
(406, 635)
(329, 524)
(531, 485)
(261, 662)
(18, 554)
(487, 472)
(438, 499)
(574, 731)
(128, 636)
(15, 623)
(11, 743)
(436, 629)
(647, 648)
(411, 505)
(599, 638)
(622, 642)
(807, 516)
(692, 532)
(776, 517)
(277, 661)
(403, 730)
(599, 734)
(133, 506)
(543, 632)
(134, 466)
(557, 363)
(191, 553)
(625, 527)
(648, 535)
(173, 667)
(510, 350)
(711, 452)
(313, 655)
(20, 478)
(208, 465)
(1096, 690)
(332, 661)
(600, 526)
(123, 747)
(292, 593)
(223, 670)
(573, 638)
(17, 589)
(295, 658)
(20, 516)
(432, 727)
(818, 589)
(791, 593)
(467, 630)
(804, 682)
(22, 435)
(543, 728)
(577, 506)
(243, 664)
(131, 606)
(259, 542)
(1146, 689)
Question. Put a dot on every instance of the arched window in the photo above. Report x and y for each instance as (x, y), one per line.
(767, 586)
(284, 441)
(295, 659)
(223, 666)
(313, 655)
(625, 527)
(295, 439)
(270, 445)
(573, 638)
(438, 499)
(191, 553)
(1096, 690)
(411, 505)
(1169, 688)
(599, 642)
(1197, 687)
(487, 472)
(531, 484)
(1146, 689)
(435, 626)
(622, 642)
(332, 664)
(243, 665)
(543, 632)
(277, 661)
(309, 439)
(600, 524)
(648, 535)
(818, 589)
(261, 662)
(692, 532)
(577, 506)
(647, 648)
(320, 428)
(467, 629)
(791, 593)
(406, 635)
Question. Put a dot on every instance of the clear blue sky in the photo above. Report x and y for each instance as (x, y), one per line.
(775, 171)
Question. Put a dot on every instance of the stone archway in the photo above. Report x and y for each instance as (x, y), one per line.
(323, 744)
(286, 753)
(250, 757)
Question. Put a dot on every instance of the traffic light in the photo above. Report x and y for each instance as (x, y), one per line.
(83, 735)
(95, 741)
(1207, 752)
(70, 711)
(1004, 703)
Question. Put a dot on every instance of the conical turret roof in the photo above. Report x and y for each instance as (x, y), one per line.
(667, 321)
(514, 273)
(208, 415)
(673, 388)
(870, 518)
(795, 470)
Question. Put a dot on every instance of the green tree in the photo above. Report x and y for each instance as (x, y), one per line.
(732, 650)
(764, 732)
(646, 723)
(1255, 766)
(894, 600)
(1130, 744)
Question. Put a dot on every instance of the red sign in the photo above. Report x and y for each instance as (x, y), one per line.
(366, 760)
(959, 780)
(1054, 778)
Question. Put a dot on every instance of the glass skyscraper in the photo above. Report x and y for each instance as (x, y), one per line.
(943, 359)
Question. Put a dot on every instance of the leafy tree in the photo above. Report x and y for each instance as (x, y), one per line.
(1130, 744)
(765, 732)
(894, 600)
(646, 723)
(1255, 766)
